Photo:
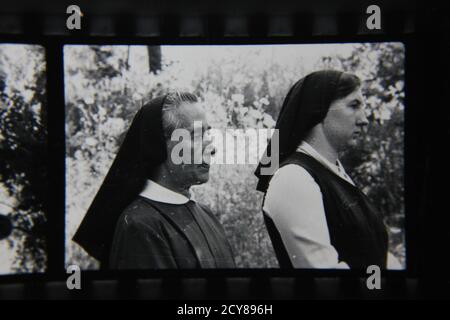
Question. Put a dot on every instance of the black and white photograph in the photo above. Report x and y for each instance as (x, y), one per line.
(23, 154)
(234, 156)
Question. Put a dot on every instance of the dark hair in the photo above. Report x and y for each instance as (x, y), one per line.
(347, 84)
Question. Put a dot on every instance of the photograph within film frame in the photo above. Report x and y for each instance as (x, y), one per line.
(23, 159)
(240, 88)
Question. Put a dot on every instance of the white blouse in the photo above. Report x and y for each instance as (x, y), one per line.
(305, 232)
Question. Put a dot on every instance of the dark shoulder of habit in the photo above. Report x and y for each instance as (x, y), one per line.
(156, 235)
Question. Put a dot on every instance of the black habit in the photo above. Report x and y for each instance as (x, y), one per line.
(356, 229)
(156, 235)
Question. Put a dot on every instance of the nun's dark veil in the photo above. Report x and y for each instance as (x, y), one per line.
(305, 105)
(143, 149)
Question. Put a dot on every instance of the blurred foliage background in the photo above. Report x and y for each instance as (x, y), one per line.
(23, 157)
(239, 87)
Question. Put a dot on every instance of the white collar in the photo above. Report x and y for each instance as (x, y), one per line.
(337, 168)
(157, 192)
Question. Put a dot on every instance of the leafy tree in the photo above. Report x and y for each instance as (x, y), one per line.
(23, 153)
(377, 163)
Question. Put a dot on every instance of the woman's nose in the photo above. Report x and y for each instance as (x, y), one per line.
(363, 121)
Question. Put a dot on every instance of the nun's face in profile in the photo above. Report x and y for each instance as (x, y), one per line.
(195, 170)
(344, 121)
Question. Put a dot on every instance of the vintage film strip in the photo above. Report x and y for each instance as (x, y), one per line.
(423, 33)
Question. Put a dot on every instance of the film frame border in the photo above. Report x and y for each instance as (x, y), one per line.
(417, 267)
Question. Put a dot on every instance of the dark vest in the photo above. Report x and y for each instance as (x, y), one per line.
(356, 228)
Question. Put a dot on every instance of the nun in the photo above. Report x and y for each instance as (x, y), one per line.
(143, 216)
(315, 214)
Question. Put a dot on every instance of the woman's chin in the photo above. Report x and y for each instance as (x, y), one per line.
(202, 177)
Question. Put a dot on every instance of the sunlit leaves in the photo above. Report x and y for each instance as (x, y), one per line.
(23, 151)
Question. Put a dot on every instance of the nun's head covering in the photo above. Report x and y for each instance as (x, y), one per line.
(143, 149)
(305, 105)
